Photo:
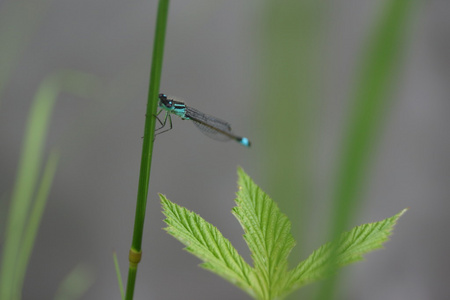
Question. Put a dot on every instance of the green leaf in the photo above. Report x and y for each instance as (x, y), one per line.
(267, 233)
(207, 243)
(347, 249)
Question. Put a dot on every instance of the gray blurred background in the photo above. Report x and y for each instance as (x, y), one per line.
(214, 60)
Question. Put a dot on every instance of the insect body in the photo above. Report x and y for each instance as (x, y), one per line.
(209, 125)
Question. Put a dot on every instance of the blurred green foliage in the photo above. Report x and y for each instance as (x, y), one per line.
(28, 199)
(290, 65)
(18, 21)
(288, 93)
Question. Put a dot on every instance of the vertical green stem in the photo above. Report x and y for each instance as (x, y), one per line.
(34, 219)
(370, 106)
(26, 178)
(147, 147)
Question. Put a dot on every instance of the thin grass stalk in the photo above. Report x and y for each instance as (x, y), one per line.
(20, 234)
(35, 219)
(147, 147)
(371, 102)
(119, 276)
(27, 176)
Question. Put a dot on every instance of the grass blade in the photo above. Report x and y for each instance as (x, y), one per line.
(35, 219)
(25, 183)
(370, 104)
(119, 277)
(16, 247)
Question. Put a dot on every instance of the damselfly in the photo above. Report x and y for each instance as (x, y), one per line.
(209, 125)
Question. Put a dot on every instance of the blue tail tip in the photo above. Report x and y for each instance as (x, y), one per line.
(245, 141)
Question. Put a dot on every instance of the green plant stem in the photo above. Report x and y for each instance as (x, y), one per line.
(147, 147)
(35, 217)
(27, 176)
(23, 215)
(370, 105)
(289, 59)
(119, 277)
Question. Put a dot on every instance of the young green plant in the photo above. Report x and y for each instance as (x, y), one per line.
(268, 235)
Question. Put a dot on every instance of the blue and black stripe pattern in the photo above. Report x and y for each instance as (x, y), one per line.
(211, 126)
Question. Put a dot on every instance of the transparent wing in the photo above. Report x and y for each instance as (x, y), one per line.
(211, 126)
